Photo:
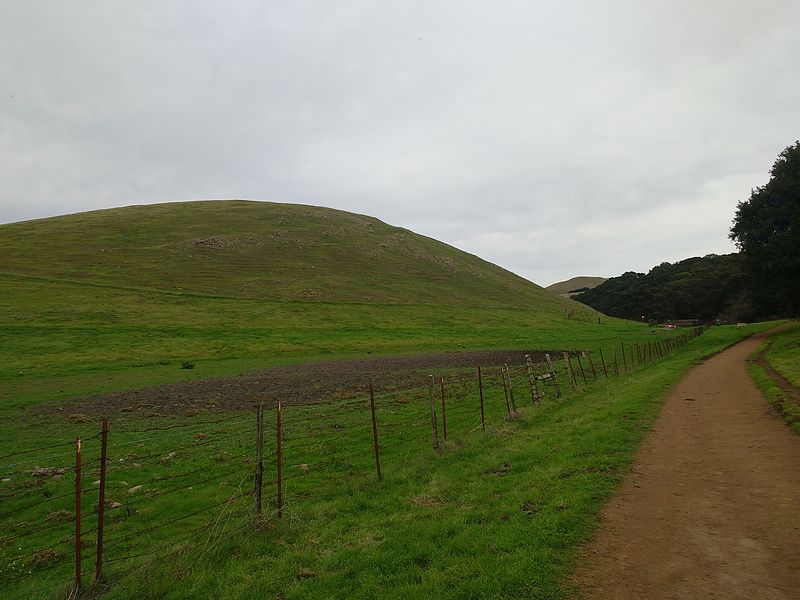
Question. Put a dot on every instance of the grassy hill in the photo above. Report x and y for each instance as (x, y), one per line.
(118, 300)
(241, 285)
(575, 283)
(258, 250)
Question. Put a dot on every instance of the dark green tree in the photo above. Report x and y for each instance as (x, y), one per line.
(700, 287)
(766, 230)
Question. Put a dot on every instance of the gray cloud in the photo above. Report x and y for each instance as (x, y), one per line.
(552, 138)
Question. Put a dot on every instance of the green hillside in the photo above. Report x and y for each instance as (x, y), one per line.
(258, 250)
(241, 285)
(125, 299)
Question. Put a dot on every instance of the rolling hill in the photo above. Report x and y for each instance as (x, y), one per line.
(258, 250)
(250, 284)
(124, 300)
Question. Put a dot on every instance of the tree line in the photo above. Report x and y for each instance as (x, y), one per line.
(705, 288)
(761, 281)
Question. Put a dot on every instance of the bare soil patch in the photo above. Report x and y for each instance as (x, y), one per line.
(711, 508)
(291, 384)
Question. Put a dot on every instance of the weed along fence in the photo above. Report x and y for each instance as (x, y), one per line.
(83, 512)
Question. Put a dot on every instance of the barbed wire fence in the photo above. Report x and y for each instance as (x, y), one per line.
(118, 511)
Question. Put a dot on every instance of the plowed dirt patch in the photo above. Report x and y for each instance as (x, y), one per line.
(293, 384)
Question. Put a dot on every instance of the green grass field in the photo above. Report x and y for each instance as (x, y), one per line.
(497, 514)
(118, 300)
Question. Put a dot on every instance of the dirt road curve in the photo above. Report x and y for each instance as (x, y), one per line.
(712, 507)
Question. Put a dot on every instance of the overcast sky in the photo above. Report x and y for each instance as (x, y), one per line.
(553, 138)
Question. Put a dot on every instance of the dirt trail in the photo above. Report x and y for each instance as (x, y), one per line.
(712, 506)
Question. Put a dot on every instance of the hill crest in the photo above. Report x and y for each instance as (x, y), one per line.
(259, 250)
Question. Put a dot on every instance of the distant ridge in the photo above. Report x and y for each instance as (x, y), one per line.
(562, 288)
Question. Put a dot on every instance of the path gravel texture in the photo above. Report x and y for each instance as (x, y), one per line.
(711, 508)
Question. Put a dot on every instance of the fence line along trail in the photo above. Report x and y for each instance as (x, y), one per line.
(711, 508)
(113, 507)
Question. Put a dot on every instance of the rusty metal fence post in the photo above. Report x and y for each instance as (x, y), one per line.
(580, 365)
(259, 460)
(572, 381)
(434, 425)
(588, 356)
(511, 390)
(375, 432)
(78, 513)
(603, 362)
(444, 413)
(101, 509)
(480, 389)
(279, 457)
(505, 391)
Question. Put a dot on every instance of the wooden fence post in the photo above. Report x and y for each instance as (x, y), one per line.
(77, 513)
(259, 460)
(101, 509)
(375, 432)
(614, 356)
(434, 426)
(553, 375)
(532, 381)
(480, 389)
(624, 362)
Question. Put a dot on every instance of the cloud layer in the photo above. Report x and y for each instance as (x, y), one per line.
(555, 139)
